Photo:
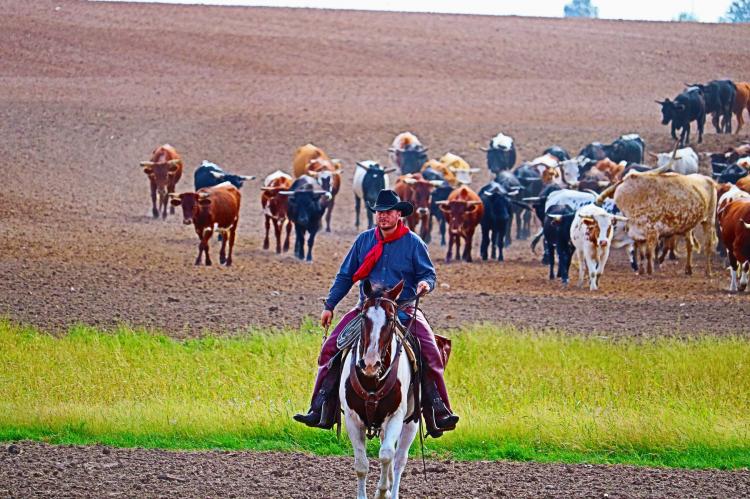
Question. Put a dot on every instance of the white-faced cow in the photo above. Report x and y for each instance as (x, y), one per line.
(591, 233)
(275, 207)
(501, 153)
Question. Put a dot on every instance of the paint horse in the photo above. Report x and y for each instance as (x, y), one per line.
(375, 392)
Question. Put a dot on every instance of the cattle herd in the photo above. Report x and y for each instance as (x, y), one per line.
(605, 196)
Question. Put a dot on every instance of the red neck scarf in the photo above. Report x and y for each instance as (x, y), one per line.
(376, 252)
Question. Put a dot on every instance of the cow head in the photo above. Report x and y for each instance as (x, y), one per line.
(411, 160)
(457, 212)
(191, 202)
(161, 172)
(420, 190)
(501, 154)
(307, 203)
(670, 110)
(600, 226)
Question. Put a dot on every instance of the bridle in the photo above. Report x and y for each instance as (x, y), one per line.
(386, 382)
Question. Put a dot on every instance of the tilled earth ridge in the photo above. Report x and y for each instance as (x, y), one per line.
(89, 89)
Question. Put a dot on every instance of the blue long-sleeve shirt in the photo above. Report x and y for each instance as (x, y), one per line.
(405, 258)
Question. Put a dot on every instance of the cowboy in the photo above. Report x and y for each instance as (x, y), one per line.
(386, 254)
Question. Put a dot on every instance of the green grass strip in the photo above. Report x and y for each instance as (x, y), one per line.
(521, 396)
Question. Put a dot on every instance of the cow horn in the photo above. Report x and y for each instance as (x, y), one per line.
(653, 155)
(217, 174)
(203, 195)
(147, 163)
(608, 192)
(556, 218)
(391, 149)
(409, 180)
(586, 219)
(436, 183)
(474, 203)
(442, 202)
(513, 193)
(473, 170)
(603, 183)
(286, 193)
(172, 162)
(390, 170)
(483, 149)
(359, 164)
(532, 200)
(248, 177)
(747, 225)
(620, 218)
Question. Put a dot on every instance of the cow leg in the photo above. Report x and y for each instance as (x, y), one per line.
(633, 257)
(310, 242)
(498, 239)
(442, 232)
(745, 275)
(223, 250)
(449, 254)
(701, 124)
(715, 121)
(154, 209)
(549, 250)
(651, 240)
(508, 231)
(299, 242)
(740, 121)
(728, 120)
(232, 233)
(581, 266)
(564, 255)
(329, 211)
(288, 234)
(278, 226)
(357, 202)
(485, 242)
(163, 204)
(268, 229)
(468, 244)
(170, 190)
(708, 241)
(732, 271)
(689, 254)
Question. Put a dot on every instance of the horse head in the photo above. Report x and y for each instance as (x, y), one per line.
(379, 318)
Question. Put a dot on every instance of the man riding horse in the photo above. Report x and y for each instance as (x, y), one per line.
(386, 254)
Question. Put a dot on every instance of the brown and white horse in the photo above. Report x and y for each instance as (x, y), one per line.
(375, 395)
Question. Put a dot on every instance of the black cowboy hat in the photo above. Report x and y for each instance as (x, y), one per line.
(389, 200)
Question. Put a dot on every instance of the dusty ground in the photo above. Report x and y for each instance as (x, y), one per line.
(89, 89)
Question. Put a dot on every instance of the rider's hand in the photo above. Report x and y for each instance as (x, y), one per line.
(325, 318)
(423, 288)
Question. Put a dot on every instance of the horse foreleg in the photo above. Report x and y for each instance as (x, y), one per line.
(391, 432)
(361, 465)
(408, 432)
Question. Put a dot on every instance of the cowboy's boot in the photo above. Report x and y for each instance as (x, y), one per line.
(325, 404)
(437, 417)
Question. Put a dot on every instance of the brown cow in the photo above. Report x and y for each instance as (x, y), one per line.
(741, 102)
(415, 189)
(275, 207)
(463, 210)
(212, 208)
(735, 234)
(312, 160)
(164, 171)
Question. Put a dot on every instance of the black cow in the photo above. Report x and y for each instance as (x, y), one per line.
(558, 152)
(628, 148)
(307, 203)
(687, 107)
(369, 179)
(520, 212)
(557, 224)
(501, 154)
(439, 193)
(496, 217)
(411, 159)
(210, 174)
(719, 98)
(732, 173)
(531, 182)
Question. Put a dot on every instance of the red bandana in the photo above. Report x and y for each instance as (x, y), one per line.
(374, 254)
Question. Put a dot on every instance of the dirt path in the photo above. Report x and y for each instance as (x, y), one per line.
(89, 89)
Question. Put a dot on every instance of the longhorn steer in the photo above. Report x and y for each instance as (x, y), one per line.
(415, 189)
(498, 210)
(164, 171)
(687, 107)
(369, 179)
(591, 233)
(735, 233)
(407, 153)
(275, 207)
(463, 210)
(459, 167)
(501, 153)
(307, 203)
(211, 209)
(661, 204)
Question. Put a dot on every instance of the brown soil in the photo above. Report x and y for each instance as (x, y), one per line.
(34, 469)
(89, 89)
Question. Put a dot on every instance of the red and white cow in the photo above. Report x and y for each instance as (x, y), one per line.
(463, 211)
(591, 233)
(735, 234)
(164, 171)
(275, 207)
(212, 209)
(415, 189)
(312, 160)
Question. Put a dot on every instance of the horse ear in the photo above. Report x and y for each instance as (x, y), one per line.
(367, 287)
(395, 290)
